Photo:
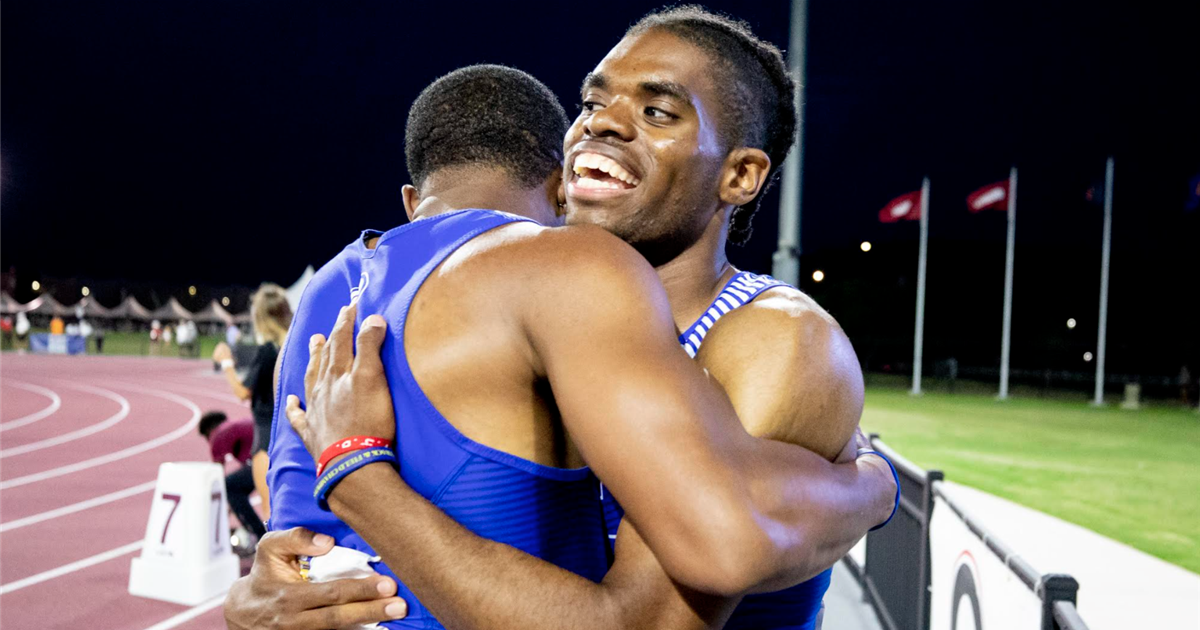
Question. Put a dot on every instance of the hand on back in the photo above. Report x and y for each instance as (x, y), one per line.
(347, 395)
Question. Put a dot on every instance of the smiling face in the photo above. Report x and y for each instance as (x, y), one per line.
(644, 159)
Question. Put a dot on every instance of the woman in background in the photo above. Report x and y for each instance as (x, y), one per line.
(272, 316)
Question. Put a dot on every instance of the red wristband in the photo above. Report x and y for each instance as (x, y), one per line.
(353, 443)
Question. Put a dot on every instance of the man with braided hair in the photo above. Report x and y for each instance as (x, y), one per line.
(683, 126)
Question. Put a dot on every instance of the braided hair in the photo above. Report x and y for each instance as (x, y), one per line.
(761, 110)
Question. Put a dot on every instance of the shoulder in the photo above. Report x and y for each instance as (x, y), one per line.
(792, 366)
(571, 247)
(787, 318)
(560, 260)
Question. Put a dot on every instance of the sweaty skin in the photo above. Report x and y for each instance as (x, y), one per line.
(813, 393)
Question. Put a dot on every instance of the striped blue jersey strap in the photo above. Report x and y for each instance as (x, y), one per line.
(741, 289)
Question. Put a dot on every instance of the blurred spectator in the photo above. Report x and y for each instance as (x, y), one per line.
(193, 340)
(6, 328)
(166, 335)
(1185, 385)
(57, 326)
(233, 335)
(98, 335)
(73, 329)
(85, 328)
(233, 440)
(185, 337)
(22, 327)
(156, 332)
(272, 316)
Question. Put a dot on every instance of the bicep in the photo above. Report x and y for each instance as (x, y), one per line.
(625, 389)
(651, 425)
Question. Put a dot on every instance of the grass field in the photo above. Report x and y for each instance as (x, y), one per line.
(1133, 476)
(139, 343)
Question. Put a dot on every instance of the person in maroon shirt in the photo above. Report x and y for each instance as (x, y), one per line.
(234, 438)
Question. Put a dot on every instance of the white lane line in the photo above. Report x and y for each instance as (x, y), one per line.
(189, 614)
(208, 393)
(70, 568)
(81, 433)
(55, 403)
(77, 507)
(118, 455)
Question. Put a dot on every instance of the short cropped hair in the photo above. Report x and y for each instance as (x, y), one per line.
(760, 110)
(486, 115)
(210, 421)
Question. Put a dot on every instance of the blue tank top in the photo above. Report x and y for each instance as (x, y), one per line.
(795, 608)
(551, 513)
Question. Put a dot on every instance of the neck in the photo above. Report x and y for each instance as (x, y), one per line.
(694, 277)
(449, 190)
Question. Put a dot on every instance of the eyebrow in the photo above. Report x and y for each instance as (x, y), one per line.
(669, 89)
(594, 80)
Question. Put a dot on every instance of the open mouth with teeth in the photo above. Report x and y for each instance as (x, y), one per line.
(597, 172)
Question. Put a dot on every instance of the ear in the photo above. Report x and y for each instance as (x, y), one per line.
(412, 199)
(556, 192)
(745, 173)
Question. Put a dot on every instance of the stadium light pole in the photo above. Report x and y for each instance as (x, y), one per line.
(1104, 258)
(919, 332)
(1005, 342)
(786, 261)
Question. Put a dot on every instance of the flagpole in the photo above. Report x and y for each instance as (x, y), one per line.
(1102, 337)
(786, 260)
(919, 333)
(1005, 342)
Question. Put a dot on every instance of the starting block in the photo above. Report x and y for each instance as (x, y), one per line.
(186, 557)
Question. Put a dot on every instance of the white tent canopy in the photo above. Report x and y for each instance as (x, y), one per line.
(214, 313)
(130, 308)
(172, 310)
(297, 289)
(8, 304)
(45, 304)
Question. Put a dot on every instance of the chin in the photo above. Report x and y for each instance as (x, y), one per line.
(581, 214)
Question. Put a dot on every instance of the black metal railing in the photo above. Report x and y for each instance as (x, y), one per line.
(896, 575)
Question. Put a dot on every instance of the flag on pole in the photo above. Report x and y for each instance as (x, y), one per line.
(990, 197)
(906, 207)
(1002, 196)
(914, 206)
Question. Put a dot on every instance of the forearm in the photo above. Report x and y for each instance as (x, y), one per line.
(466, 581)
(814, 511)
(235, 383)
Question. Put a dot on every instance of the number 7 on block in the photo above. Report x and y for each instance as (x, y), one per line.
(174, 498)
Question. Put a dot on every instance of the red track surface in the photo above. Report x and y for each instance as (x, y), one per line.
(125, 447)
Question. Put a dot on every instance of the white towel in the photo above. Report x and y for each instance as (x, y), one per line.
(340, 563)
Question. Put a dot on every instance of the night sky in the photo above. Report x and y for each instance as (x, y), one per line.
(218, 143)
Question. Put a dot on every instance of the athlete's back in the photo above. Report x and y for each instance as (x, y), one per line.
(430, 280)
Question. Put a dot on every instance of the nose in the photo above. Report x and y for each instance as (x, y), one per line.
(612, 121)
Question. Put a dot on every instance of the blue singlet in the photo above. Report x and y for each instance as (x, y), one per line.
(551, 513)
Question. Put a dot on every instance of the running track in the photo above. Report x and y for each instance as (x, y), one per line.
(81, 439)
